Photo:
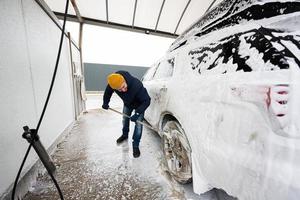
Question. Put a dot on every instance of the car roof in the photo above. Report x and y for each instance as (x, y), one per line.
(233, 12)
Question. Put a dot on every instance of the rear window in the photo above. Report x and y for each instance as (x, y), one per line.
(255, 50)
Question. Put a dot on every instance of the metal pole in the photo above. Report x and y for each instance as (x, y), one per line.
(142, 123)
(75, 103)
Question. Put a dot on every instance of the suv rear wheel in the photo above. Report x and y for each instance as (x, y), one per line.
(177, 152)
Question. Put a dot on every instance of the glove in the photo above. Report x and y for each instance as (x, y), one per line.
(134, 117)
(105, 106)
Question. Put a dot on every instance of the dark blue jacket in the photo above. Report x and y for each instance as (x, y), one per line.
(136, 96)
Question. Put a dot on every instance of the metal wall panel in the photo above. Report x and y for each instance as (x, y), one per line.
(28, 48)
(95, 74)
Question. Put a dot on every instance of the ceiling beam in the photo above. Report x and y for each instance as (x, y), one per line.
(116, 25)
(77, 11)
(209, 7)
(188, 3)
(161, 8)
(133, 18)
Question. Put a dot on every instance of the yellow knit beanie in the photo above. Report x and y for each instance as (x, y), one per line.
(115, 81)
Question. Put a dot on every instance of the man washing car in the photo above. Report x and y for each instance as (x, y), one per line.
(135, 97)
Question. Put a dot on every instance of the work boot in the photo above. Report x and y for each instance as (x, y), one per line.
(136, 152)
(121, 139)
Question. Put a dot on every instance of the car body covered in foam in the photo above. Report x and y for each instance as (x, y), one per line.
(232, 84)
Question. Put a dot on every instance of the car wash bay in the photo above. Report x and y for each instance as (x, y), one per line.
(90, 165)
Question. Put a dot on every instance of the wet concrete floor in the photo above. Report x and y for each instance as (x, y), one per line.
(90, 165)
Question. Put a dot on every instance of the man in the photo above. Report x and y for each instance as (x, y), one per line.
(135, 97)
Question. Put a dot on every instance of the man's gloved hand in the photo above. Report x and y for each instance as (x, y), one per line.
(105, 106)
(134, 117)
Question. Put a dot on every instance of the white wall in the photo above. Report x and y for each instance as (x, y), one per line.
(29, 43)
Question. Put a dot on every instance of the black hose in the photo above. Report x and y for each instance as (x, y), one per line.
(43, 112)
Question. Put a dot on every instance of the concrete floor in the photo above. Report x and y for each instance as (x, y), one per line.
(92, 166)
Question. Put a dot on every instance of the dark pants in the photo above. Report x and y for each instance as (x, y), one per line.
(138, 129)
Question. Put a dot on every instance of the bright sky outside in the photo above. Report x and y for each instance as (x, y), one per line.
(113, 46)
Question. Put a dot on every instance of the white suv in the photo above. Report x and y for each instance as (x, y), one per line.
(225, 98)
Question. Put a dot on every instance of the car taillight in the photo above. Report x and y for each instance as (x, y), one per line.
(277, 102)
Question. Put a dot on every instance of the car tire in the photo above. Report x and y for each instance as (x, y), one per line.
(177, 152)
